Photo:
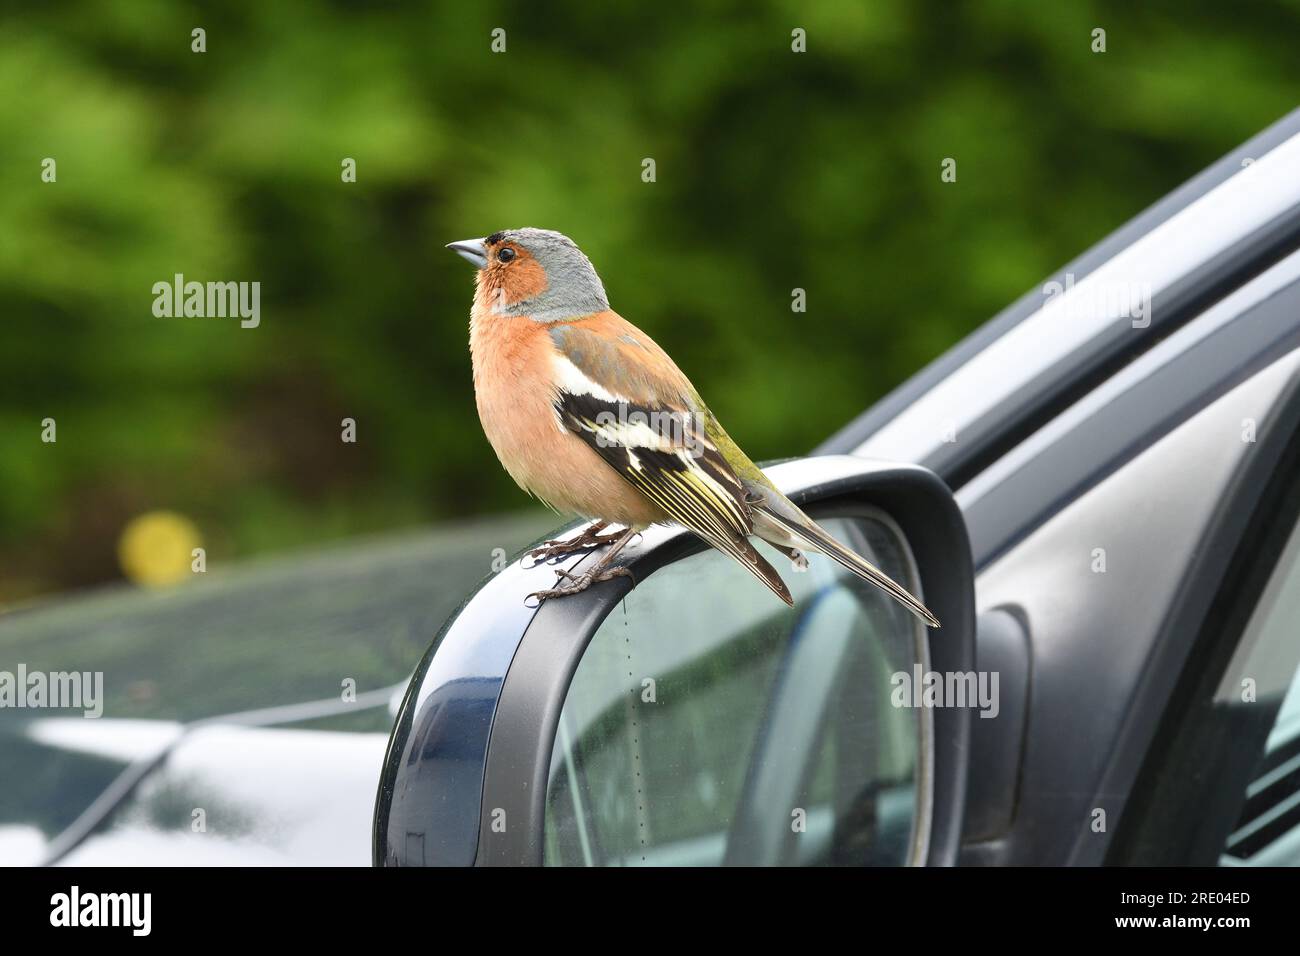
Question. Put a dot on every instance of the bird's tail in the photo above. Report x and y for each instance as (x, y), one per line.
(748, 555)
(787, 516)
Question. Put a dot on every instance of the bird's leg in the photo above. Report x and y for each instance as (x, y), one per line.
(600, 571)
(588, 539)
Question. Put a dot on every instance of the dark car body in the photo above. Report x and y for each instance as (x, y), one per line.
(1098, 495)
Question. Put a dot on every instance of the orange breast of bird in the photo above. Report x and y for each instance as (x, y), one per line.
(514, 361)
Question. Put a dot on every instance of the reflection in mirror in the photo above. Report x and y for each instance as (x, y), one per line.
(708, 724)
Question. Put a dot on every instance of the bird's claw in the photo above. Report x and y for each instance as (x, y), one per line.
(578, 582)
(586, 541)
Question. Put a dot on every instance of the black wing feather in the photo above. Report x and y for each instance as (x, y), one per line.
(666, 456)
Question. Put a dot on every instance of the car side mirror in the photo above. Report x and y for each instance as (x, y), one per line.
(704, 722)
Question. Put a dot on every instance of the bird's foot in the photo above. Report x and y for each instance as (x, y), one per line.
(577, 583)
(590, 538)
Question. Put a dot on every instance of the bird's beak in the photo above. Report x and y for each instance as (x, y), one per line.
(473, 250)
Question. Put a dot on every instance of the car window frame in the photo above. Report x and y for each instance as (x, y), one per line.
(1063, 378)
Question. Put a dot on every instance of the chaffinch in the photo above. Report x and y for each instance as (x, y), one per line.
(588, 414)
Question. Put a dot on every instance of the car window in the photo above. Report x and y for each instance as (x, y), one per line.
(1267, 832)
(1262, 677)
(709, 724)
(1222, 782)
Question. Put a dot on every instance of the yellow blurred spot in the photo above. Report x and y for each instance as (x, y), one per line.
(156, 548)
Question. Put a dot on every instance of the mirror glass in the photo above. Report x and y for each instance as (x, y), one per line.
(709, 724)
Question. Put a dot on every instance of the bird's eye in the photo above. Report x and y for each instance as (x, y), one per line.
(505, 255)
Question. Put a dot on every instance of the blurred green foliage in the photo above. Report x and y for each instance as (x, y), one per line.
(775, 170)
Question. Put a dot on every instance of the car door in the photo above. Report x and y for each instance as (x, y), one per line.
(1109, 475)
